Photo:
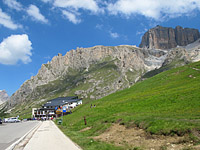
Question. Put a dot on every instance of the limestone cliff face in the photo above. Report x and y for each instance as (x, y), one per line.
(185, 36)
(3, 96)
(103, 69)
(167, 38)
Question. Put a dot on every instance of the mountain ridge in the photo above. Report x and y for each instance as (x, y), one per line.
(92, 73)
(125, 58)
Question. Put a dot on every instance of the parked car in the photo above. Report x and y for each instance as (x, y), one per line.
(14, 119)
(0, 121)
(6, 120)
(24, 119)
(11, 120)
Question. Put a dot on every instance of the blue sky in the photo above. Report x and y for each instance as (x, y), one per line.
(33, 31)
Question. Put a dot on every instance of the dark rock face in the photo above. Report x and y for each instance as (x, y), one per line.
(186, 36)
(166, 38)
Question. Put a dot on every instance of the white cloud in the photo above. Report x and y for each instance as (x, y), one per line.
(114, 35)
(99, 26)
(15, 48)
(7, 22)
(34, 12)
(13, 4)
(71, 17)
(47, 1)
(141, 32)
(90, 5)
(156, 9)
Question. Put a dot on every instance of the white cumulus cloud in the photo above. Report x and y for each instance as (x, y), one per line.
(156, 9)
(7, 22)
(15, 48)
(34, 12)
(114, 35)
(71, 17)
(90, 5)
(13, 4)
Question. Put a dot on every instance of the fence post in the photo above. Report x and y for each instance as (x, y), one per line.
(85, 120)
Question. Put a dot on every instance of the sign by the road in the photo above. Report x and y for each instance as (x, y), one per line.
(64, 109)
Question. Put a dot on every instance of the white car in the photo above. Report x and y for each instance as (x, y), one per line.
(12, 119)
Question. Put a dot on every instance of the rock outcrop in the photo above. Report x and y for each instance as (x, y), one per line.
(3, 96)
(167, 38)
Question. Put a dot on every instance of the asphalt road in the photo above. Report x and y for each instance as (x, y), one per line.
(11, 132)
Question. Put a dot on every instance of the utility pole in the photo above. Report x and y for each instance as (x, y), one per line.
(62, 116)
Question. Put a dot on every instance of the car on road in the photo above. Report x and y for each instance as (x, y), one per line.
(24, 119)
(11, 120)
(0, 121)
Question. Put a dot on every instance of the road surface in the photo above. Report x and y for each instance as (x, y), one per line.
(11, 132)
(49, 137)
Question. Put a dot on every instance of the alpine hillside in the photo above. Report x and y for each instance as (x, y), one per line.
(160, 113)
(92, 73)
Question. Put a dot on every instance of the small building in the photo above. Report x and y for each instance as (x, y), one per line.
(50, 108)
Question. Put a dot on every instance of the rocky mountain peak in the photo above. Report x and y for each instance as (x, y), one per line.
(166, 38)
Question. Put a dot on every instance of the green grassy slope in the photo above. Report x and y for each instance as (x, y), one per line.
(168, 103)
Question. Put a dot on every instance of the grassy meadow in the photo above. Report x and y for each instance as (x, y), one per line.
(166, 104)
